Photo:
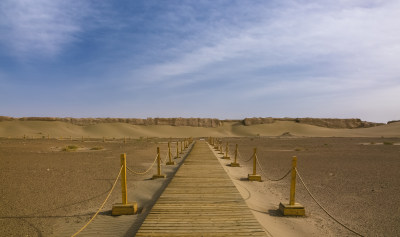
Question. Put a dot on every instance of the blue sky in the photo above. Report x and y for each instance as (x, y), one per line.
(219, 59)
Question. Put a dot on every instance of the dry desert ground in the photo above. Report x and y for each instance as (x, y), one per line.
(50, 190)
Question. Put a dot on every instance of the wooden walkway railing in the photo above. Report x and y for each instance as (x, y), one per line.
(201, 200)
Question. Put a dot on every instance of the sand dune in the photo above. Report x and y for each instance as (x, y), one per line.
(296, 129)
(57, 129)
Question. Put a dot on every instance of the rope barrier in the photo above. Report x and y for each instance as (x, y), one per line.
(145, 172)
(165, 158)
(333, 218)
(102, 205)
(274, 180)
(240, 156)
(259, 165)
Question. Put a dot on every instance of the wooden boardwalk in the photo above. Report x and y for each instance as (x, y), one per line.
(201, 200)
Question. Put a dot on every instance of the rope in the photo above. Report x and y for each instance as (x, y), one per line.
(165, 158)
(333, 218)
(102, 205)
(240, 156)
(145, 172)
(274, 180)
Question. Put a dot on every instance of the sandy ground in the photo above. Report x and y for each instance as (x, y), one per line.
(355, 179)
(264, 205)
(42, 129)
(49, 192)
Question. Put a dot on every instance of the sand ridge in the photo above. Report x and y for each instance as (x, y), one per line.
(57, 129)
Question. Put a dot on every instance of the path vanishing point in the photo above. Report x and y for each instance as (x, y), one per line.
(201, 200)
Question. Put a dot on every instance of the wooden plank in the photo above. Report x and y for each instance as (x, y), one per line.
(201, 200)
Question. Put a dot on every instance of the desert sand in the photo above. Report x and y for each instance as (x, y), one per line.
(46, 191)
(355, 179)
(50, 192)
(57, 129)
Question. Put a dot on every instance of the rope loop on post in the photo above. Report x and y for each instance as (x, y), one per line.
(240, 156)
(274, 180)
(102, 205)
(165, 158)
(145, 172)
(315, 200)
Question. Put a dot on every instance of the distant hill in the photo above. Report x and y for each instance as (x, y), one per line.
(192, 127)
(203, 122)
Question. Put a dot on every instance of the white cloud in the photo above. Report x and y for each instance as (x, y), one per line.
(40, 27)
(295, 57)
(310, 59)
(359, 44)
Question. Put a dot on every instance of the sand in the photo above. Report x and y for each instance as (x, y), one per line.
(49, 192)
(56, 129)
(355, 179)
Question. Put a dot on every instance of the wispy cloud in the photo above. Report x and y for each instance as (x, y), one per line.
(41, 28)
(343, 40)
(292, 57)
(310, 53)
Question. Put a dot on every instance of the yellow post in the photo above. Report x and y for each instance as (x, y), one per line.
(123, 180)
(216, 145)
(220, 149)
(236, 152)
(293, 181)
(124, 208)
(254, 176)
(226, 152)
(255, 161)
(158, 175)
(235, 164)
(293, 208)
(177, 151)
(158, 161)
(170, 162)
